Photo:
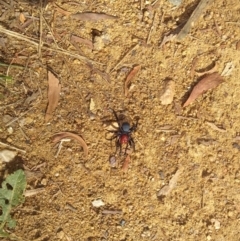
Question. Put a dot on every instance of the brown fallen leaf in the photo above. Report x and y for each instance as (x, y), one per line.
(62, 11)
(208, 82)
(82, 41)
(130, 76)
(92, 16)
(54, 89)
(126, 163)
(63, 135)
(214, 127)
(172, 183)
(238, 45)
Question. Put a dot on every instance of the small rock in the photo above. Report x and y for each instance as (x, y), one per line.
(122, 222)
(216, 223)
(7, 155)
(9, 140)
(98, 203)
(10, 130)
(92, 105)
(209, 238)
(60, 234)
(113, 161)
(175, 2)
(44, 182)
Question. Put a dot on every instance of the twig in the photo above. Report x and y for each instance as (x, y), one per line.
(60, 146)
(23, 133)
(13, 147)
(141, 5)
(40, 29)
(194, 16)
(112, 212)
(17, 118)
(29, 193)
(34, 42)
(236, 23)
(133, 48)
(151, 29)
(49, 28)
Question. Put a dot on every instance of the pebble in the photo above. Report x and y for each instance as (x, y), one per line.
(7, 155)
(113, 161)
(122, 222)
(175, 2)
(10, 130)
(98, 203)
(44, 182)
(9, 140)
(60, 234)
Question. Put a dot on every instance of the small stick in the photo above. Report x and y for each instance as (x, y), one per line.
(60, 146)
(134, 47)
(17, 118)
(233, 23)
(141, 5)
(151, 29)
(194, 16)
(51, 32)
(112, 212)
(33, 42)
(13, 147)
(40, 30)
(32, 192)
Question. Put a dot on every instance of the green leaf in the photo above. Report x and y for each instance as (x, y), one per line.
(11, 195)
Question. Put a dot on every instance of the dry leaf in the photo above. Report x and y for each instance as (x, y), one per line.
(208, 82)
(214, 127)
(168, 93)
(92, 16)
(238, 45)
(22, 18)
(54, 89)
(126, 163)
(82, 41)
(172, 183)
(130, 76)
(63, 135)
(62, 11)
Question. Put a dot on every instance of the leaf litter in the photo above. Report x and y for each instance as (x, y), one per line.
(208, 82)
(92, 16)
(54, 88)
(172, 183)
(130, 77)
(86, 42)
(65, 135)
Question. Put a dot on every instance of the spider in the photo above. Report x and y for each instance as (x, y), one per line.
(123, 134)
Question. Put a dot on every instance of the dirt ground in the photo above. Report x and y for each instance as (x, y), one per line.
(200, 141)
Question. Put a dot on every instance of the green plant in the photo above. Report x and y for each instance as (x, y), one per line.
(11, 195)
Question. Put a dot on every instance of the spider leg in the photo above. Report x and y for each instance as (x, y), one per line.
(112, 137)
(134, 127)
(132, 143)
(117, 119)
(118, 145)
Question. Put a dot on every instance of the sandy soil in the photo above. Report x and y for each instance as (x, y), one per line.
(193, 150)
